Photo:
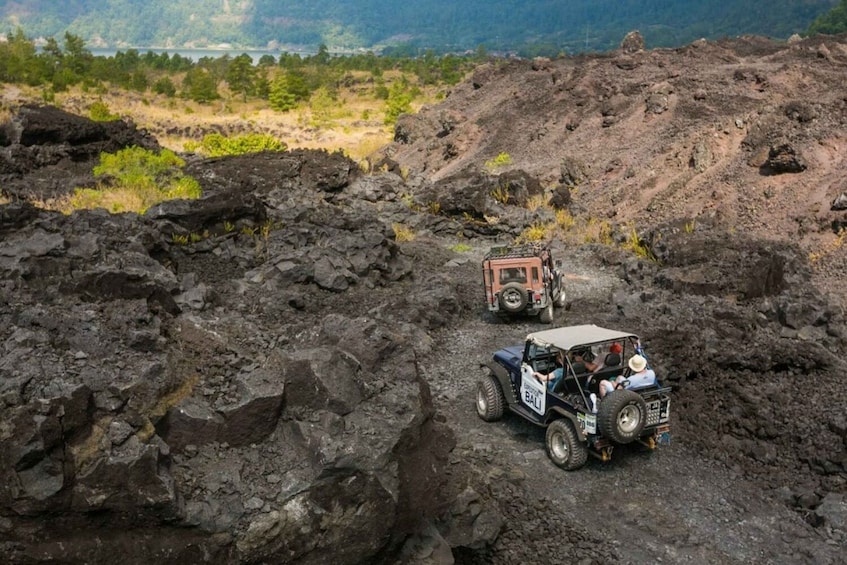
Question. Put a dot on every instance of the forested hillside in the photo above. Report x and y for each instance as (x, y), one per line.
(832, 22)
(525, 26)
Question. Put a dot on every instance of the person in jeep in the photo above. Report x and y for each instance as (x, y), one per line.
(553, 377)
(640, 377)
(577, 422)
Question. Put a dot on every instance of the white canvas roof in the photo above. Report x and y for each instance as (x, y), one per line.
(571, 336)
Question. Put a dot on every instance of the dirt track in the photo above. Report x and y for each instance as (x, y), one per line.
(672, 505)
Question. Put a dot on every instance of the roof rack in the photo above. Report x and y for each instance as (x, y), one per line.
(522, 250)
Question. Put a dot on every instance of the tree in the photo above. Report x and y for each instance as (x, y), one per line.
(262, 86)
(832, 22)
(241, 75)
(280, 96)
(76, 58)
(138, 81)
(267, 60)
(164, 86)
(199, 85)
(399, 102)
(322, 103)
(17, 56)
(297, 84)
(322, 56)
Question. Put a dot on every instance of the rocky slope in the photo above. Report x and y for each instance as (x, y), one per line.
(746, 133)
(297, 386)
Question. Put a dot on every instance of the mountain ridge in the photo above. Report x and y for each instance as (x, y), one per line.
(533, 27)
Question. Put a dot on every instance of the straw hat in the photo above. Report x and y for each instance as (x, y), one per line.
(637, 363)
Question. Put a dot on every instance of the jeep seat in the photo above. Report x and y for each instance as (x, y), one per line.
(612, 360)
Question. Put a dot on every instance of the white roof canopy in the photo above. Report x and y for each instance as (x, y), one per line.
(572, 336)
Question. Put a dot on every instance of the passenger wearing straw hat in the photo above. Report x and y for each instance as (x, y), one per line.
(640, 377)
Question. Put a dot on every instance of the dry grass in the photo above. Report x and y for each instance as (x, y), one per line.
(114, 200)
(403, 233)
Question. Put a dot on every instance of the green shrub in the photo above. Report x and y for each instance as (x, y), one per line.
(637, 246)
(217, 145)
(138, 179)
(136, 165)
(501, 160)
(461, 248)
(165, 86)
(99, 112)
(399, 102)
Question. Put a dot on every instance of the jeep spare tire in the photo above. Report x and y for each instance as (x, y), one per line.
(622, 416)
(513, 297)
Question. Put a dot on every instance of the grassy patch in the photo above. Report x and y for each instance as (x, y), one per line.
(832, 246)
(461, 248)
(403, 233)
(501, 194)
(134, 180)
(501, 160)
(537, 232)
(634, 244)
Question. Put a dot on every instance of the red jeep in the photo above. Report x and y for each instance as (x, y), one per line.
(523, 279)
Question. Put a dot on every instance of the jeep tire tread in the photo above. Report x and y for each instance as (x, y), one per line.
(490, 401)
(564, 447)
(622, 415)
(513, 298)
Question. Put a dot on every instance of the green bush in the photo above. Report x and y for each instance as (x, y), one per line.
(165, 86)
(501, 160)
(136, 165)
(217, 145)
(137, 179)
(399, 102)
(99, 112)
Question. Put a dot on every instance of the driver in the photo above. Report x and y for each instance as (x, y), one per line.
(553, 377)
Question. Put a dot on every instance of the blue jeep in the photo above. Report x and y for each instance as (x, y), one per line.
(578, 422)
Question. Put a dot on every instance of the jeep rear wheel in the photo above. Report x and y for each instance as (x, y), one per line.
(546, 315)
(564, 447)
(489, 398)
(622, 416)
(513, 297)
(561, 298)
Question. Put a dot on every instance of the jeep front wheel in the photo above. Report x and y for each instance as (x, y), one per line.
(489, 398)
(622, 415)
(564, 447)
(513, 297)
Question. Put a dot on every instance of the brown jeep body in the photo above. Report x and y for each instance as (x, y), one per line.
(523, 280)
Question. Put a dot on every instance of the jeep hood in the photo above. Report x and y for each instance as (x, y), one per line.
(510, 356)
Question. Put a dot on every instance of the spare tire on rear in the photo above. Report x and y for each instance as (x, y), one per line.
(622, 416)
(513, 297)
